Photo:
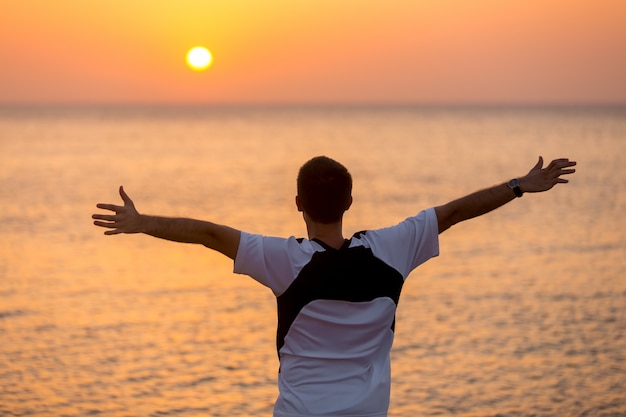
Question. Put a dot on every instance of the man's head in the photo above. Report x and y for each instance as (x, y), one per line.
(324, 189)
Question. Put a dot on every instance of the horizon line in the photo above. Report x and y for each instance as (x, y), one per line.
(314, 104)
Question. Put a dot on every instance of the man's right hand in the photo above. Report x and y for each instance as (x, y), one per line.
(542, 179)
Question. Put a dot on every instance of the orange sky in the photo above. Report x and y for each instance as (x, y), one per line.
(314, 51)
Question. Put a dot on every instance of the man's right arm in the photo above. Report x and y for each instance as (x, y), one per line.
(539, 179)
(126, 219)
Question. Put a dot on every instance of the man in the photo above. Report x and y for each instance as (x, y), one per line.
(336, 297)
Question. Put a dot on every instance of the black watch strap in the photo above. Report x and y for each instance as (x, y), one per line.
(514, 185)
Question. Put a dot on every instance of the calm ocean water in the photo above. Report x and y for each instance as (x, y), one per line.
(523, 313)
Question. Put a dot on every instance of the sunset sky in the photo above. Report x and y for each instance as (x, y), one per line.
(317, 51)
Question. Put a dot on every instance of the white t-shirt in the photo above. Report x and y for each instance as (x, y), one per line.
(336, 312)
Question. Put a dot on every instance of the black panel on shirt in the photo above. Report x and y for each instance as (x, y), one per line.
(347, 274)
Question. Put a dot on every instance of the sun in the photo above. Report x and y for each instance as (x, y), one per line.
(199, 58)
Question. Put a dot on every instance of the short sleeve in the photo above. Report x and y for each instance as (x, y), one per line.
(408, 244)
(272, 261)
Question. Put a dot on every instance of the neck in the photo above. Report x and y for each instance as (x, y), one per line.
(329, 233)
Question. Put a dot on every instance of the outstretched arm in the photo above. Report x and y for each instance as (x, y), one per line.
(126, 219)
(476, 204)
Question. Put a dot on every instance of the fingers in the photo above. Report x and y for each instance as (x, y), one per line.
(125, 197)
(542, 179)
(560, 167)
(109, 219)
(108, 225)
(537, 166)
(111, 207)
(104, 217)
(561, 163)
(118, 221)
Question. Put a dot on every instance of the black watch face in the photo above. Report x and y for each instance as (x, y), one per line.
(513, 183)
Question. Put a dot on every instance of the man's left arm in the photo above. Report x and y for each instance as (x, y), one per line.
(537, 180)
(127, 219)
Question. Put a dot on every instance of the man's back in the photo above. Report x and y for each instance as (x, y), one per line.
(336, 313)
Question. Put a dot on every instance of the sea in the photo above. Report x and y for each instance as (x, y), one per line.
(522, 314)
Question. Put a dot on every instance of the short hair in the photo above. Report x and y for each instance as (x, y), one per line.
(324, 189)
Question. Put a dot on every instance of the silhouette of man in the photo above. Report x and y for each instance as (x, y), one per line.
(336, 297)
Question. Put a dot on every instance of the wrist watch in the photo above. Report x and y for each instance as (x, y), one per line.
(514, 185)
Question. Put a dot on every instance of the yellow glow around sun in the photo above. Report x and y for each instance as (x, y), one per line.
(199, 58)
